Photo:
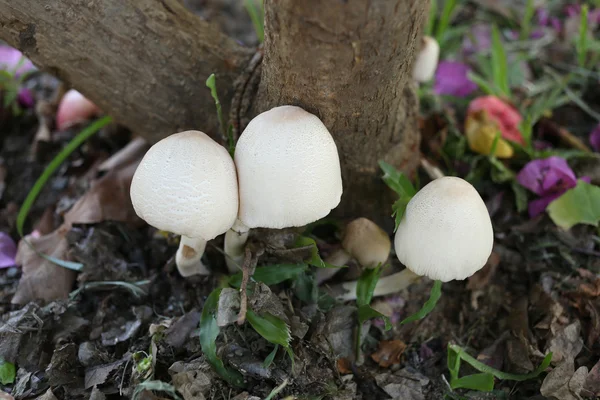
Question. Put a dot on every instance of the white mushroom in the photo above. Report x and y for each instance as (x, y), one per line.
(445, 234)
(364, 241)
(186, 184)
(288, 173)
(427, 60)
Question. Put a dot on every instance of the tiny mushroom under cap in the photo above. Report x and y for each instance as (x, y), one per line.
(288, 169)
(367, 242)
(186, 184)
(427, 60)
(446, 232)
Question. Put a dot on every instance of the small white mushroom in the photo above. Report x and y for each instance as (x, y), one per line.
(186, 184)
(364, 241)
(427, 60)
(288, 172)
(445, 234)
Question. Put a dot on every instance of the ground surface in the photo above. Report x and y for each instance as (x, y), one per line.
(130, 318)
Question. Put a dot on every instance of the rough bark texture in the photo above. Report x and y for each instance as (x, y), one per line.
(145, 62)
(350, 63)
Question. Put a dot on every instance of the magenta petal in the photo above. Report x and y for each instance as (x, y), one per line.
(10, 58)
(595, 138)
(8, 251)
(25, 98)
(547, 176)
(451, 79)
(538, 206)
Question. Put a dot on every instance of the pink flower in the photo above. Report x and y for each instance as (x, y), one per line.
(451, 79)
(595, 138)
(504, 116)
(11, 58)
(74, 108)
(25, 98)
(8, 250)
(548, 178)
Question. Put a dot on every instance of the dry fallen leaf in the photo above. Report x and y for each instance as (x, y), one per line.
(389, 353)
(134, 150)
(42, 279)
(566, 343)
(344, 366)
(482, 278)
(107, 199)
(563, 382)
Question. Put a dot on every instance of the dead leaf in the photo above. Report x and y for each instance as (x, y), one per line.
(42, 279)
(434, 131)
(98, 375)
(193, 380)
(47, 396)
(5, 396)
(389, 353)
(344, 366)
(107, 200)
(566, 343)
(482, 278)
(97, 394)
(563, 382)
(134, 150)
(592, 382)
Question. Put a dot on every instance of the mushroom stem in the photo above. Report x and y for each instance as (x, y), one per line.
(188, 257)
(386, 285)
(339, 258)
(235, 242)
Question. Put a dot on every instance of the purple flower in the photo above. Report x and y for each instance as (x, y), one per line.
(451, 79)
(478, 40)
(11, 58)
(548, 178)
(25, 98)
(8, 251)
(595, 138)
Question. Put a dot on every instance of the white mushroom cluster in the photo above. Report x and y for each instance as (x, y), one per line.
(286, 173)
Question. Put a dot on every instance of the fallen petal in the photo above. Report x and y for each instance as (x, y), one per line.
(11, 58)
(547, 176)
(506, 118)
(8, 251)
(451, 79)
(481, 134)
(595, 138)
(73, 109)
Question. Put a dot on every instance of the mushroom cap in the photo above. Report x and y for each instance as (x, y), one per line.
(288, 169)
(186, 184)
(446, 232)
(365, 241)
(427, 60)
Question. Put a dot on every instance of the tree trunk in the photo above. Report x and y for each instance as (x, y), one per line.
(350, 63)
(146, 61)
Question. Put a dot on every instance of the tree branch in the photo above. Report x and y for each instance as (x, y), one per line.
(145, 62)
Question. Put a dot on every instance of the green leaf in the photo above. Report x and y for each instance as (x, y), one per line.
(366, 312)
(520, 196)
(434, 296)
(481, 367)
(211, 83)
(257, 16)
(269, 360)
(208, 340)
(432, 18)
(499, 63)
(158, 386)
(483, 382)
(271, 274)
(43, 179)
(366, 285)
(499, 172)
(396, 180)
(582, 39)
(483, 85)
(8, 372)
(580, 205)
(527, 19)
(315, 259)
(271, 328)
(446, 16)
(398, 209)
(305, 288)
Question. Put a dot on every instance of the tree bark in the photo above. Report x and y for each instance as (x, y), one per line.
(350, 63)
(145, 62)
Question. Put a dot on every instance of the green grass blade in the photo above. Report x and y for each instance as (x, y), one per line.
(271, 328)
(499, 63)
(481, 367)
(43, 179)
(436, 293)
(366, 285)
(527, 19)
(432, 18)
(582, 39)
(445, 18)
(257, 16)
